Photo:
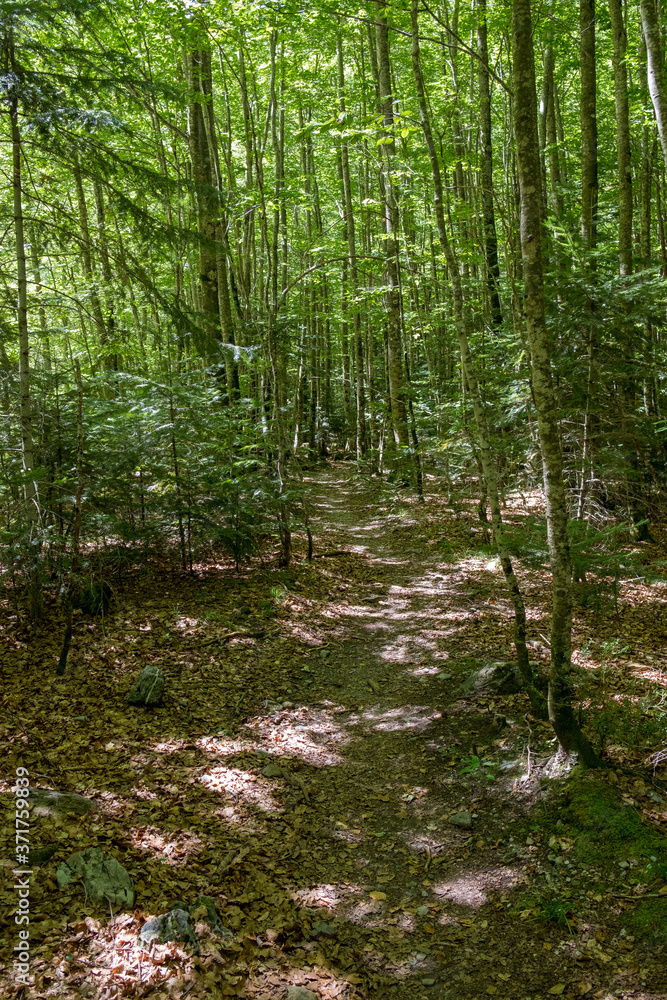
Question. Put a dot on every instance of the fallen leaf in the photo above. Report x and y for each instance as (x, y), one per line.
(557, 989)
(378, 895)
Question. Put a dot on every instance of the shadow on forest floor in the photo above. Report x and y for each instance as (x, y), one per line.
(364, 828)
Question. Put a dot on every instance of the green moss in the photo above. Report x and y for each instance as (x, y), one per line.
(605, 828)
(648, 920)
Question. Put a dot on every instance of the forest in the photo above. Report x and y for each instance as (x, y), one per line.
(333, 496)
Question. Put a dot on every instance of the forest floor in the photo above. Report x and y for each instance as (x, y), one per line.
(365, 827)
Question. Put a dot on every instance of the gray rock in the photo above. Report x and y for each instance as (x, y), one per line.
(495, 678)
(104, 880)
(176, 925)
(300, 993)
(148, 688)
(47, 802)
(462, 818)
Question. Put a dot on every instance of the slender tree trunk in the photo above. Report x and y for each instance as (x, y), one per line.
(589, 125)
(486, 169)
(470, 379)
(528, 162)
(357, 338)
(30, 490)
(111, 360)
(87, 260)
(620, 41)
(656, 68)
(399, 413)
(551, 137)
(589, 214)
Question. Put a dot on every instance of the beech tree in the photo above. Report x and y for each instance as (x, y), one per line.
(245, 240)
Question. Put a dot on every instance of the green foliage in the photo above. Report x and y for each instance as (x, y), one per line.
(548, 908)
(476, 765)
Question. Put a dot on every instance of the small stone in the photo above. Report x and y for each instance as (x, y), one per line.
(496, 678)
(273, 771)
(300, 993)
(462, 818)
(148, 688)
(104, 880)
(48, 802)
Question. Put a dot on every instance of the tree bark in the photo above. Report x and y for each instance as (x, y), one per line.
(561, 714)
(471, 381)
(620, 41)
(395, 372)
(25, 400)
(589, 125)
(589, 212)
(655, 68)
(357, 338)
(486, 169)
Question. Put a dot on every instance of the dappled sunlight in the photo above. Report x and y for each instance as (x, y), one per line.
(223, 745)
(172, 746)
(350, 834)
(423, 842)
(169, 847)
(473, 888)
(305, 733)
(321, 895)
(236, 784)
(424, 671)
(417, 717)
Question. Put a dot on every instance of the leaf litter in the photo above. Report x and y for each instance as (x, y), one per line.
(307, 770)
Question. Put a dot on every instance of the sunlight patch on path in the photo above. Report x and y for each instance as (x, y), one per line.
(417, 717)
(473, 888)
(236, 784)
(305, 733)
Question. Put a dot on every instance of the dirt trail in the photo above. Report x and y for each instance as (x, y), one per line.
(420, 900)
(422, 856)
(365, 830)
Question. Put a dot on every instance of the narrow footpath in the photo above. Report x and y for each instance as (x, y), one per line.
(321, 772)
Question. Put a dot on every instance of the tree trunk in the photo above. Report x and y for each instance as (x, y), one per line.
(399, 414)
(620, 41)
(561, 715)
(87, 260)
(486, 169)
(357, 338)
(589, 213)
(470, 380)
(656, 68)
(25, 400)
